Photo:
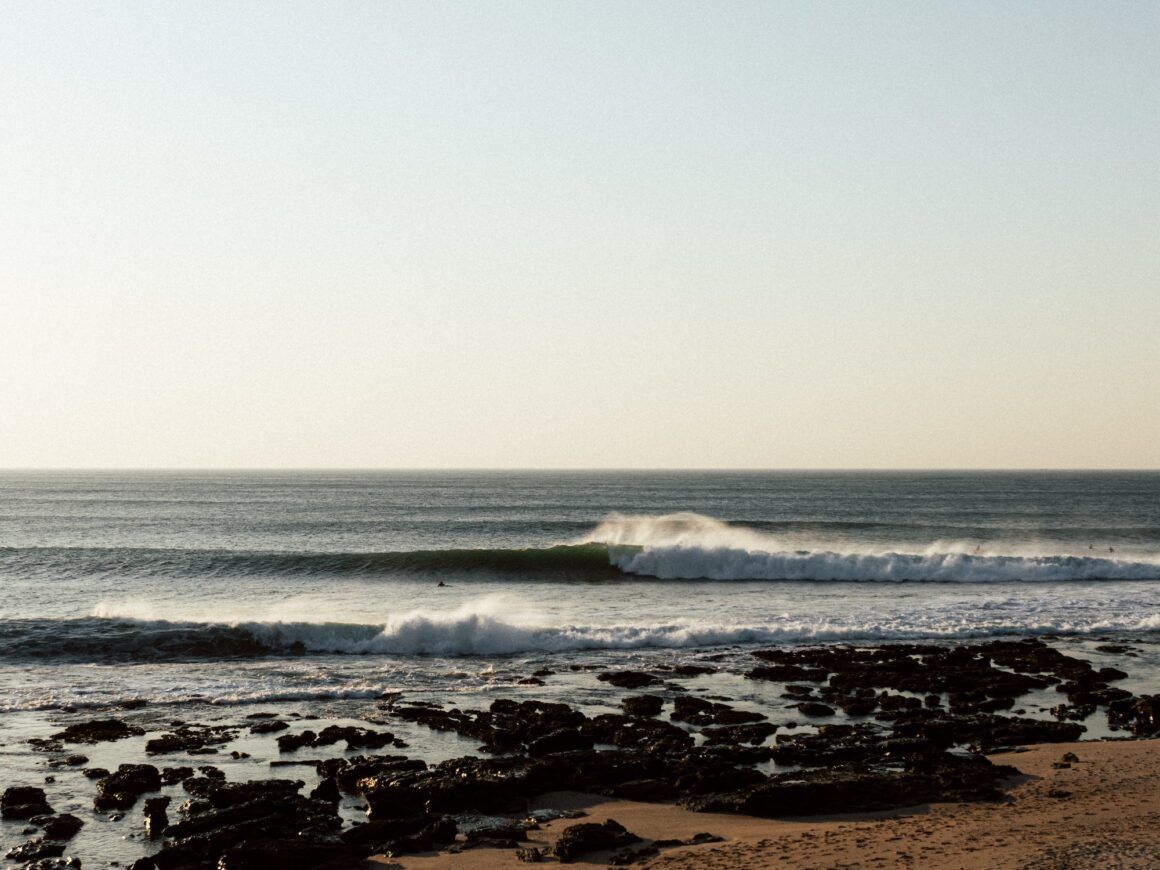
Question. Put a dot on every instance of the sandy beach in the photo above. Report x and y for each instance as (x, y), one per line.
(1103, 811)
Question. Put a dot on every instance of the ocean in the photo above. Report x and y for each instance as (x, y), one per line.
(240, 587)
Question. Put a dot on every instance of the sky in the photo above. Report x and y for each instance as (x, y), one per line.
(568, 235)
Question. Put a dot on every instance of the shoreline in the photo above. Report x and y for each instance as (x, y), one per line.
(884, 755)
(1110, 818)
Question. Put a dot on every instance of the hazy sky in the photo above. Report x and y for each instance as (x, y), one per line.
(580, 234)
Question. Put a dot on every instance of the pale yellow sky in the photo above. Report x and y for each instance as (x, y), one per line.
(525, 235)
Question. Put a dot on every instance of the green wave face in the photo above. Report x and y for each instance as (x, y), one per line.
(584, 560)
(573, 561)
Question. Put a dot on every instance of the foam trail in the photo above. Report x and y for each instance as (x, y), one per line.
(699, 563)
(689, 546)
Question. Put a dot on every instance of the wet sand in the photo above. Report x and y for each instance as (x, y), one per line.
(1102, 812)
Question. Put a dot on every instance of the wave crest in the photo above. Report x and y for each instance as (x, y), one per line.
(700, 563)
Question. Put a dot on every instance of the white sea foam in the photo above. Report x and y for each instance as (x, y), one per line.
(723, 563)
(689, 546)
(482, 628)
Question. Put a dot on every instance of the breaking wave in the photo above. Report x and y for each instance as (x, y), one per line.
(698, 563)
(579, 560)
(480, 629)
(682, 546)
(688, 546)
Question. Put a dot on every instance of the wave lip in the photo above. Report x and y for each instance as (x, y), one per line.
(723, 563)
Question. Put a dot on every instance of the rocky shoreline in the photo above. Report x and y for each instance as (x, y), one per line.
(917, 722)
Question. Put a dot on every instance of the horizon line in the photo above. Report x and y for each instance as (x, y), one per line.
(576, 469)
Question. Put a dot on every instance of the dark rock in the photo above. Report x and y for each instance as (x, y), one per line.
(628, 679)
(268, 726)
(787, 673)
(294, 742)
(530, 855)
(693, 670)
(985, 732)
(97, 731)
(156, 822)
(196, 740)
(457, 785)
(347, 772)
(61, 827)
(288, 853)
(814, 709)
(39, 744)
(24, 802)
(326, 790)
(221, 794)
(696, 711)
(643, 705)
(510, 832)
(68, 761)
(95, 772)
(844, 789)
(35, 850)
(120, 790)
(859, 706)
(651, 850)
(577, 840)
(246, 816)
(54, 863)
(635, 732)
(355, 737)
(751, 734)
(563, 740)
(381, 831)
(1140, 715)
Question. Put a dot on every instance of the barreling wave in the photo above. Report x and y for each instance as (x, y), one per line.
(471, 631)
(689, 546)
(682, 546)
(589, 560)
